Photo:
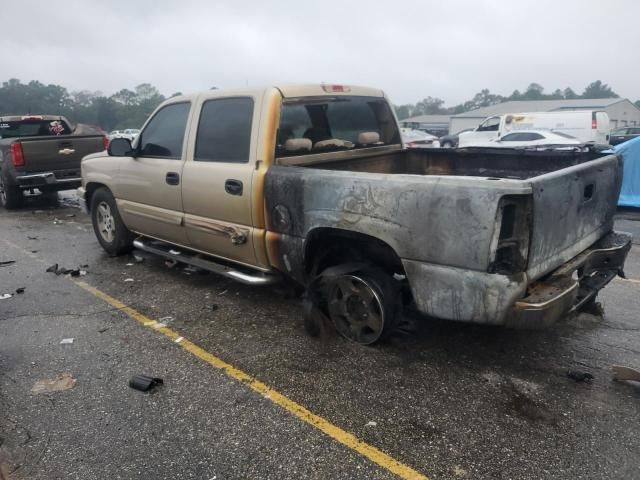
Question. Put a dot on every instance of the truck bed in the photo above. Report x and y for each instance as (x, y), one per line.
(494, 163)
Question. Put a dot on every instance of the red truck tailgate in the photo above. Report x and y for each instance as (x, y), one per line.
(572, 209)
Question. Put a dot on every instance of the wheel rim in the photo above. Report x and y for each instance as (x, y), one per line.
(356, 309)
(105, 221)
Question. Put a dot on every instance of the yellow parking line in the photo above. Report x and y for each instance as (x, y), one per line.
(342, 436)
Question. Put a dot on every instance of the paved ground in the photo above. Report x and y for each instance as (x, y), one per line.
(449, 400)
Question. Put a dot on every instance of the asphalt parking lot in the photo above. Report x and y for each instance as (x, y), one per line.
(446, 401)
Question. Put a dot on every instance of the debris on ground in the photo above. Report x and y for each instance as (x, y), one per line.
(129, 265)
(64, 381)
(4, 296)
(57, 221)
(175, 252)
(164, 321)
(4, 263)
(170, 263)
(66, 341)
(20, 290)
(70, 215)
(74, 272)
(144, 383)
(579, 376)
(625, 374)
(129, 280)
(371, 424)
(32, 238)
(138, 258)
(103, 329)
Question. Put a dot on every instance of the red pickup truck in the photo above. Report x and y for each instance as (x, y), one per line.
(43, 153)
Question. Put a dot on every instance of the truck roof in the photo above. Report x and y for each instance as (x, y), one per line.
(299, 90)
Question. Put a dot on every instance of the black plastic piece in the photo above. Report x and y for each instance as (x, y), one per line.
(144, 383)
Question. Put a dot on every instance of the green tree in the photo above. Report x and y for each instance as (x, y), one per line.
(569, 94)
(598, 89)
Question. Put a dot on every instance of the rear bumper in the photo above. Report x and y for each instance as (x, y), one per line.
(573, 284)
(467, 295)
(49, 180)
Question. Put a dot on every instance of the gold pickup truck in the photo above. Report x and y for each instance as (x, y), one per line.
(312, 184)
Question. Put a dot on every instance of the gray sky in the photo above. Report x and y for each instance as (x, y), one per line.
(412, 49)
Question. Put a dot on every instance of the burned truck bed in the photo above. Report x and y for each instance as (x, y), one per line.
(473, 229)
(477, 162)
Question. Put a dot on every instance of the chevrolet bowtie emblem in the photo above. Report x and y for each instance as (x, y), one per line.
(66, 151)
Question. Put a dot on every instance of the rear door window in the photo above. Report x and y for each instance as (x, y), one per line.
(224, 130)
(163, 136)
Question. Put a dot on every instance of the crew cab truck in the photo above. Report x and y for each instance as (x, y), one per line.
(41, 152)
(312, 184)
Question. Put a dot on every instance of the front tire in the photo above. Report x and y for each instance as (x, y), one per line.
(113, 235)
(10, 197)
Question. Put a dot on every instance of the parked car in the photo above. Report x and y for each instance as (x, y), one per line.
(585, 125)
(621, 135)
(129, 133)
(532, 139)
(310, 184)
(451, 141)
(418, 139)
(43, 153)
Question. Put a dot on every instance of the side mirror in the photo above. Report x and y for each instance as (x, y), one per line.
(120, 147)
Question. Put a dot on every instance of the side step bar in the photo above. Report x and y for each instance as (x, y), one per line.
(172, 253)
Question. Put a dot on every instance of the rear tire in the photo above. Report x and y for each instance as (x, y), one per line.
(363, 305)
(10, 197)
(113, 235)
(447, 145)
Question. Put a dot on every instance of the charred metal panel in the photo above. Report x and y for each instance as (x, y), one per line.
(573, 208)
(464, 295)
(441, 220)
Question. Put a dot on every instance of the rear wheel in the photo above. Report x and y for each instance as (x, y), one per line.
(10, 197)
(111, 232)
(363, 305)
(447, 145)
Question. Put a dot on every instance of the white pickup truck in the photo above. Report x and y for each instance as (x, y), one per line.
(311, 184)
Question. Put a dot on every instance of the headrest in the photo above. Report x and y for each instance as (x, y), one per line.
(367, 138)
(296, 144)
(333, 142)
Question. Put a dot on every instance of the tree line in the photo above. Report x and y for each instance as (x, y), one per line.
(130, 108)
(124, 109)
(484, 98)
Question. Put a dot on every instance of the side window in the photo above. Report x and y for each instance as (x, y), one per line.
(490, 125)
(512, 137)
(528, 136)
(224, 130)
(164, 134)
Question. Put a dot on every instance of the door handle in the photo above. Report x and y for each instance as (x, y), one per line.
(173, 178)
(233, 187)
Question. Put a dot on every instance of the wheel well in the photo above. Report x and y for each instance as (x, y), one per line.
(90, 190)
(329, 246)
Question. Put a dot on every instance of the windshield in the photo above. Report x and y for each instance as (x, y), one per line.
(319, 124)
(33, 128)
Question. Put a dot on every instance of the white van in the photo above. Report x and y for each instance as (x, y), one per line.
(585, 125)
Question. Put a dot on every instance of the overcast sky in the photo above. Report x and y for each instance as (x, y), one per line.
(411, 49)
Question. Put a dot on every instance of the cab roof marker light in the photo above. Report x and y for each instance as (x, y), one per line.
(335, 88)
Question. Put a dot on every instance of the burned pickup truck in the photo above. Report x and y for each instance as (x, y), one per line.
(41, 152)
(311, 184)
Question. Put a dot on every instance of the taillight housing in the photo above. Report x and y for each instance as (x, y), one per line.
(105, 142)
(17, 156)
(594, 121)
(510, 245)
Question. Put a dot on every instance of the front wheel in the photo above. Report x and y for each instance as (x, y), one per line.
(111, 232)
(363, 305)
